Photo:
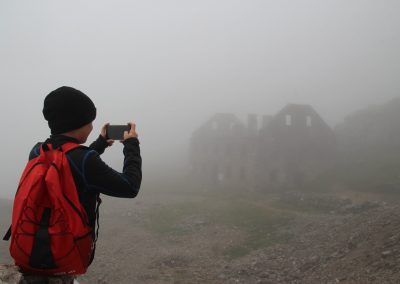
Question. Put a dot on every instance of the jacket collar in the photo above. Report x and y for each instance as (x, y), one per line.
(58, 139)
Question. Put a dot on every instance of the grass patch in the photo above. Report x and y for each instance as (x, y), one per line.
(168, 219)
(260, 224)
(259, 221)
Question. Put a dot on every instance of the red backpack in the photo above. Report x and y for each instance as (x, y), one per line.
(50, 231)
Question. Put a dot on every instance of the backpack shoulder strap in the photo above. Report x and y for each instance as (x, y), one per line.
(69, 146)
(7, 235)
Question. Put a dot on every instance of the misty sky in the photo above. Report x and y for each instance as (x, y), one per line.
(169, 65)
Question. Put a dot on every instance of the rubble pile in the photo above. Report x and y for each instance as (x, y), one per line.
(337, 241)
(362, 248)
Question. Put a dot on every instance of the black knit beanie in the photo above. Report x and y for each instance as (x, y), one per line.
(68, 109)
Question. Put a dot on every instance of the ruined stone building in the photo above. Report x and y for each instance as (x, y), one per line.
(289, 148)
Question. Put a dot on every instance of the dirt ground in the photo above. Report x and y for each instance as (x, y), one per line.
(222, 237)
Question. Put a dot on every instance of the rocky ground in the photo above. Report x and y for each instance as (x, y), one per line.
(325, 240)
(279, 238)
(352, 248)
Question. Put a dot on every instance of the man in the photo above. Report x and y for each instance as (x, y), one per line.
(70, 114)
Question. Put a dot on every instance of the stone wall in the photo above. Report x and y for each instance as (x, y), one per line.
(289, 148)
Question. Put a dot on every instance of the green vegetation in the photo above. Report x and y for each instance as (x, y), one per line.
(261, 225)
(258, 221)
(167, 219)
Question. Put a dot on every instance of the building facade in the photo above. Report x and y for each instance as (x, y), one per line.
(286, 149)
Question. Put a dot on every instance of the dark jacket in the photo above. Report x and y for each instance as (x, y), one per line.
(93, 176)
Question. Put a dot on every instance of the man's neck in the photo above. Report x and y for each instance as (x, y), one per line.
(64, 136)
(72, 134)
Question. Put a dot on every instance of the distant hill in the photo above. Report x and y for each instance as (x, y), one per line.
(370, 131)
(369, 148)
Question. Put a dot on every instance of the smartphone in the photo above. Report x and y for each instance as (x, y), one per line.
(116, 132)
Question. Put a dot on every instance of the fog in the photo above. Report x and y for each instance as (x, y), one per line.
(310, 197)
(170, 65)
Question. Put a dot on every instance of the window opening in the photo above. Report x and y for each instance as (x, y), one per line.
(309, 121)
(288, 120)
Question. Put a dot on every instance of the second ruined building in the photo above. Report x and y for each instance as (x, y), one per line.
(286, 149)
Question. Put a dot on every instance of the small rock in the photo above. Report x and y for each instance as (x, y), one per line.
(386, 253)
(222, 276)
(10, 274)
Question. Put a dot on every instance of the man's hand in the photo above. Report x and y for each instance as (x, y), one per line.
(132, 132)
(103, 133)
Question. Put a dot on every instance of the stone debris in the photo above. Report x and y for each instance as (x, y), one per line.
(358, 243)
(10, 274)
